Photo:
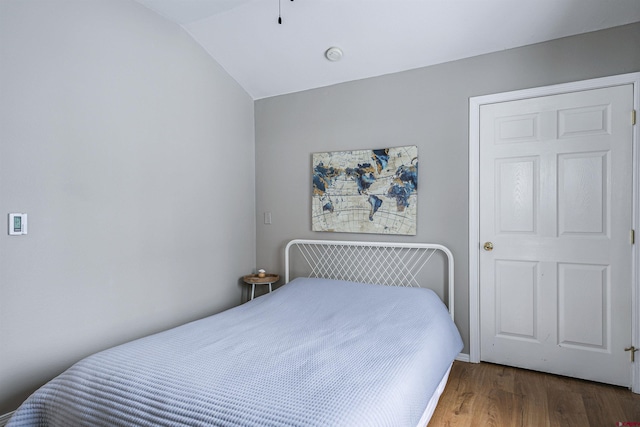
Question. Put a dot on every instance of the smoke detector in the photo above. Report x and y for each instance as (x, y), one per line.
(333, 54)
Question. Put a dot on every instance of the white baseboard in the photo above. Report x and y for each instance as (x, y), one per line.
(4, 419)
(461, 357)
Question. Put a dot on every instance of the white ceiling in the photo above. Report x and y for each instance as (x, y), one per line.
(377, 36)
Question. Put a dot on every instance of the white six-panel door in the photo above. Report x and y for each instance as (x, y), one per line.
(556, 205)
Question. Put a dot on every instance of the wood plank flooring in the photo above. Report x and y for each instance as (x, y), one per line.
(487, 395)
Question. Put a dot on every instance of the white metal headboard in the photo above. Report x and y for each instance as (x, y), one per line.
(393, 264)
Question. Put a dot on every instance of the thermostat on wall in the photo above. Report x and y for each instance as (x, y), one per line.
(17, 224)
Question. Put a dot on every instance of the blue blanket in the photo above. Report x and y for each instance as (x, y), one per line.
(315, 352)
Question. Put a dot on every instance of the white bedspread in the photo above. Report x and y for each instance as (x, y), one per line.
(313, 353)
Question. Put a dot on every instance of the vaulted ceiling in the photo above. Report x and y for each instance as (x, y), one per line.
(376, 37)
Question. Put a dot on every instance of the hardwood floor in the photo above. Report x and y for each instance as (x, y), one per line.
(484, 394)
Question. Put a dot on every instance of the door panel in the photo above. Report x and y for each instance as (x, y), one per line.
(583, 306)
(582, 194)
(516, 179)
(516, 290)
(555, 201)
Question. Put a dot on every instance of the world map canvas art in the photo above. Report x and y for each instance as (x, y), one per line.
(366, 191)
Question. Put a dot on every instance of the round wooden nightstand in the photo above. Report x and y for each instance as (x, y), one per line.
(253, 280)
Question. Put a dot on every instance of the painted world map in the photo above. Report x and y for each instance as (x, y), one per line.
(366, 191)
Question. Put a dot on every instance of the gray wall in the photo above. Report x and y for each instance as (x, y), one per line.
(427, 107)
(132, 151)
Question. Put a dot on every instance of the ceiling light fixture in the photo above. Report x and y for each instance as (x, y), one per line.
(280, 13)
(333, 54)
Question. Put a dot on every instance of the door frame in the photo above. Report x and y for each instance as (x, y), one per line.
(474, 201)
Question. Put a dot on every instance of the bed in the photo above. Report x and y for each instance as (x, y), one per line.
(331, 347)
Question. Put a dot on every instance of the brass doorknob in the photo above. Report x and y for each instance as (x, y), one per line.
(488, 246)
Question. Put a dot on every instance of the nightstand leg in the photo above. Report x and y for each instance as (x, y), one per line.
(253, 289)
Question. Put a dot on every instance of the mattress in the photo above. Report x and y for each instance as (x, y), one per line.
(315, 352)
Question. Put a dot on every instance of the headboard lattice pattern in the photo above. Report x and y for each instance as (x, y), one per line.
(391, 264)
